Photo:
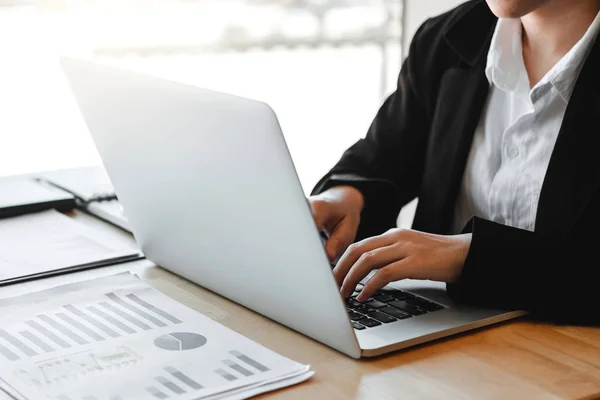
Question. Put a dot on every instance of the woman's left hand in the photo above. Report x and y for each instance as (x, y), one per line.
(401, 254)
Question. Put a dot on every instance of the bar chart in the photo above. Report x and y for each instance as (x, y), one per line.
(92, 341)
(75, 325)
(65, 397)
(76, 366)
(239, 367)
(171, 383)
(176, 383)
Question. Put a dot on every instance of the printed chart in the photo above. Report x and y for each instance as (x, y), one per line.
(180, 341)
(74, 326)
(116, 338)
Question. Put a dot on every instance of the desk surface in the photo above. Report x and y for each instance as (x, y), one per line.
(519, 359)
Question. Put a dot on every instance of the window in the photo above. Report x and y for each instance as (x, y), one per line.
(325, 66)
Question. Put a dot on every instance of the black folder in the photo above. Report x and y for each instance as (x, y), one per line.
(27, 195)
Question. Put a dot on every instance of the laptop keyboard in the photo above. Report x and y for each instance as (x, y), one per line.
(387, 305)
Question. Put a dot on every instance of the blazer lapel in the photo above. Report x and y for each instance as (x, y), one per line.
(461, 99)
(460, 105)
(574, 170)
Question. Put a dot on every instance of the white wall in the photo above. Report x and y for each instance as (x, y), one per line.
(415, 13)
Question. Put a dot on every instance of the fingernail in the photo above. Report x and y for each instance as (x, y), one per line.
(360, 297)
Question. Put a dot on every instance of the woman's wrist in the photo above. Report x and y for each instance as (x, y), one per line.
(351, 195)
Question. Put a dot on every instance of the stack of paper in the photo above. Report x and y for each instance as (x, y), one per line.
(116, 338)
(110, 211)
(87, 184)
(93, 189)
(48, 242)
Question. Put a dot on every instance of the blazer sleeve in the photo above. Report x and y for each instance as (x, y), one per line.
(510, 268)
(387, 165)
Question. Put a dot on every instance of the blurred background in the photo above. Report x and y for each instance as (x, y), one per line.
(325, 66)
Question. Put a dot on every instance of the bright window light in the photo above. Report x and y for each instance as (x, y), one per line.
(324, 66)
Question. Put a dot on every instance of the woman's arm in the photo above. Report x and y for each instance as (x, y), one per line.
(387, 165)
(495, 265)
(510, 268)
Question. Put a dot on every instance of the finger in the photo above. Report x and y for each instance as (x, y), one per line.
(390, 273)
(352, 254)
(369, 261)
(341, 237)
(319, 212)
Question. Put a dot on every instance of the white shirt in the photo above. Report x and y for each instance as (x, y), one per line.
(517, 131)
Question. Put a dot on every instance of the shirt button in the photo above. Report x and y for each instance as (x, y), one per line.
(513, 152)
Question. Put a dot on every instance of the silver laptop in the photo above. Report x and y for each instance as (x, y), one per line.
(210, 191)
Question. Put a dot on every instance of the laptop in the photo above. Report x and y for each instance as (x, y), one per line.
(211, 193)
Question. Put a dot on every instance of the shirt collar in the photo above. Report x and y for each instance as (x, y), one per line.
(565, 73)
(505, 68)
(505, 57)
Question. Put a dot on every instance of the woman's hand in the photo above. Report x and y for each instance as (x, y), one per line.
(401, 254)
(337, 213)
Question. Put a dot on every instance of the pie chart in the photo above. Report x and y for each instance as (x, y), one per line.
(180, 341)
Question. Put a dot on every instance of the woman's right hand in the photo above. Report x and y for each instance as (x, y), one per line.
(337, 213)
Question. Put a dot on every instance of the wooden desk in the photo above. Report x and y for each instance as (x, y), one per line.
(516, 360)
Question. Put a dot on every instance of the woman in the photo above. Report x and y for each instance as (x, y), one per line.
(495, 127)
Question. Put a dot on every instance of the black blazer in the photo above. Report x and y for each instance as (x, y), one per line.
(418, 145)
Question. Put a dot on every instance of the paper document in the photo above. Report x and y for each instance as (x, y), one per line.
(47, 242)
(116, 338)
(93, 188)
(110, 211)
(87, 184)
